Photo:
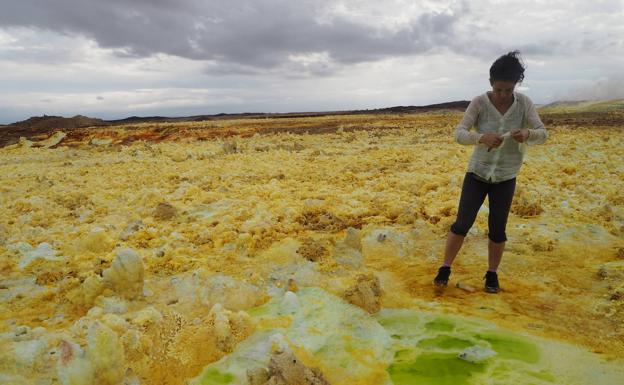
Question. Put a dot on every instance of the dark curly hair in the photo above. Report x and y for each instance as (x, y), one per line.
(508, 67)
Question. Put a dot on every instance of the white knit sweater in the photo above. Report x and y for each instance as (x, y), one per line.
(502, 163)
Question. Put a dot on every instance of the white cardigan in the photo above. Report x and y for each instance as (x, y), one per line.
(502, 163)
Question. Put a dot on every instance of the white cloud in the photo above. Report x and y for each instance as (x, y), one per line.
(165, 57)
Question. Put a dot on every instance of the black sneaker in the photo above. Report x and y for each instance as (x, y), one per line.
(443, 275)
(491, 282)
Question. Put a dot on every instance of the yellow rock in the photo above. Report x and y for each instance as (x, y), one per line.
(125, 275)
(105, 351)
(96, 241)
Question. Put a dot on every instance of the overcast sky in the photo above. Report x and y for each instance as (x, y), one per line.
(116, 58)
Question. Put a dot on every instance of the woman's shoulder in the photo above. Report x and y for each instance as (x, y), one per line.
(523, 98)
(480, 100)
(524, 102)
(481, 97)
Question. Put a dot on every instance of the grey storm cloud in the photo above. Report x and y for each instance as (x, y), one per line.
(248, 34)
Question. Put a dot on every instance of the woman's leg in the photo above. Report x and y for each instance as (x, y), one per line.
(454, 243)
(472, 197)
(500, 197)
(495, 254)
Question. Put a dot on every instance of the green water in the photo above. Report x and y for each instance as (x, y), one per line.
(445, 342)
(405, 347)
(434, 369)
(215, 377)
(428, 349)
(511, 347)
(440, 325)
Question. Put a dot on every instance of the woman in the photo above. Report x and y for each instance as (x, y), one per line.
(505, 121)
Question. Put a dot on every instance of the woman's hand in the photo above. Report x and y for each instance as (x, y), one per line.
(491, 140)
(520, 136)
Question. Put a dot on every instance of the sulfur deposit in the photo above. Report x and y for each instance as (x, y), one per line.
(366, 293)
(209, 252)
(125, 276)
(285, 369)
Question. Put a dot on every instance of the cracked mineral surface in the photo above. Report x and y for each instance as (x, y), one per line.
(128, 256)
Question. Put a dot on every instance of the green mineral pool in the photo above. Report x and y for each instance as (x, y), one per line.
(405, 347)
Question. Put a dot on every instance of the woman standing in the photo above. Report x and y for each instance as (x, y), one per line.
(505, 121)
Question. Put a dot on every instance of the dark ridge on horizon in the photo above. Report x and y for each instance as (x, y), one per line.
(608, 113)
(39, 125)
(456, 105)
(80, 121)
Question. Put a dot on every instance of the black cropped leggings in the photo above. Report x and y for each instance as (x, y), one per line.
(472, 197)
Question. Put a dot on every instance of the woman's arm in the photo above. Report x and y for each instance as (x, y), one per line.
(463, 135)
(537, 131)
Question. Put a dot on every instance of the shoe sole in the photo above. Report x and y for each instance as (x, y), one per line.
(492, 290)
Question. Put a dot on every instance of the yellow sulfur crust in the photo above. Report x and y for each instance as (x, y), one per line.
(218, 213)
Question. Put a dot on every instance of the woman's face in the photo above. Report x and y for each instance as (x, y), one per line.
(502, 91)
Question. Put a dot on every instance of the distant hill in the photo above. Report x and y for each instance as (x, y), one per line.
(596, 113)
(456, 105)
(47, 122)
(43, 125)
(583, 106)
